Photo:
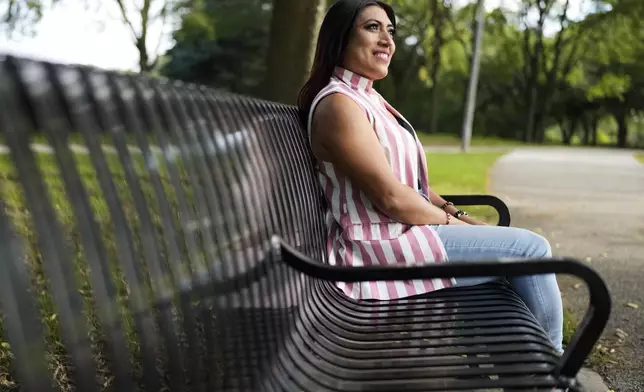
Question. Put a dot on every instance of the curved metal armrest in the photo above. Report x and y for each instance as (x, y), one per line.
(576, 352)
(483, 200)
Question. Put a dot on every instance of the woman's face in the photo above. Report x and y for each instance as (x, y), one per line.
(371, 44)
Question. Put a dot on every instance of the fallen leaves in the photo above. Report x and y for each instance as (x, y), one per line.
(620, 333)
(602, 349)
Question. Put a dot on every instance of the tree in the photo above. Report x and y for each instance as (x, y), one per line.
(222, 44)
(439, 11)
(140, 20)
(610, 72)
(293, 37)
(22, 15)
(573, 76)
(257, 47)
(414, 18)
(424, 29)
(535, 55)
(141, 17)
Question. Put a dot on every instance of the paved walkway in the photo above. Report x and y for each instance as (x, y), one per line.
(590, 204)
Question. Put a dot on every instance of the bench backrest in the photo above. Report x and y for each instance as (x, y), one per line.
(135, 227)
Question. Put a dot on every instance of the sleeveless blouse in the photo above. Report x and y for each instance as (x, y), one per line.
(357, 232)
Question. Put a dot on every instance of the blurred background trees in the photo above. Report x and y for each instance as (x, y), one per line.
(551, 71)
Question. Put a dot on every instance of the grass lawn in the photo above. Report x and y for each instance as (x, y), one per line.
(639, 156)
(77, 138)
(463, 174)
(446, 139)
(14, 203)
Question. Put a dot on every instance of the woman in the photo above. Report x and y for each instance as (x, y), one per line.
(373, 172)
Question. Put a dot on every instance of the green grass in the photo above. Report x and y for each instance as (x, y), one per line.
(13, 197)
(77, 138)
(598, 356)
(639, 156)
(463, 174)
(19, 214)
(445, 139)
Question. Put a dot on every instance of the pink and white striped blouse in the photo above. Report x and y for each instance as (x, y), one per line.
(358, 233)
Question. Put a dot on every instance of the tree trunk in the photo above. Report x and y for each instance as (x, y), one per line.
(141, 35)
(563, 127)
(569, 131)
(437, 45)
(294, 28)
(144, 59)
(433, 127)
(585, 137)
(539, 128)
(548, 91)
(532, 109)
(622, 128)
(594, 126)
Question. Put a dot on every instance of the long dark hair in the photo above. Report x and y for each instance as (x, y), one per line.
(331, 46)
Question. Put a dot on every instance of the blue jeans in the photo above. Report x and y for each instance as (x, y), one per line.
(539, 292)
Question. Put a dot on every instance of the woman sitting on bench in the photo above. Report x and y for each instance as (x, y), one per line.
(373, 172)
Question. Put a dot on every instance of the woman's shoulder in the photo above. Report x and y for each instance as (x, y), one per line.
(337, 103)
(334, 86)
(337, 90)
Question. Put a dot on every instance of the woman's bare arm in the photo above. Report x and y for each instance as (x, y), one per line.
(342, 135)
(438, 201)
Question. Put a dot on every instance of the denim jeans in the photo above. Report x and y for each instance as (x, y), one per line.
(539, 292)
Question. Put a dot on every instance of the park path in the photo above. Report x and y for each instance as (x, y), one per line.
(590, 204)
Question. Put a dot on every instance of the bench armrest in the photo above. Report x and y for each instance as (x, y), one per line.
(483, 200)
(576, 352)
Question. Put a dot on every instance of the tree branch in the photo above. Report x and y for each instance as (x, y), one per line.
(164, 15)
(126, 19)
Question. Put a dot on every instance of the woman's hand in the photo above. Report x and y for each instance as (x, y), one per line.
(457, 222)
(468, 219)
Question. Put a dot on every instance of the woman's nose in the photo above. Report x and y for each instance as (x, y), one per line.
(386, 39)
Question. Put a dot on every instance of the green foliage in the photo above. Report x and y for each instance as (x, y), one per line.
(21, 16)
(566, 73)
(609, 85)
(12, 194)
(452, 140)
(580, 71)
(222, 44)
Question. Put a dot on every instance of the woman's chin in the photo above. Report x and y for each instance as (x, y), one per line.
(378, 73)
(371, 72)
(381, 74)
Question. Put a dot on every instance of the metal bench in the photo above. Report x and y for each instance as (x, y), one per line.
(163, 236)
